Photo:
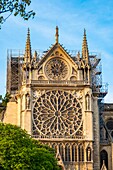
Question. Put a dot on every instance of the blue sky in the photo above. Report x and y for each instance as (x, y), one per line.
(96, 16)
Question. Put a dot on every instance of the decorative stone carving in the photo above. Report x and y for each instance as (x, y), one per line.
(27, 101)
(73, 78)
(41, 78)
(36, 94)
(56, 69)
(87, 102)
(57, 113)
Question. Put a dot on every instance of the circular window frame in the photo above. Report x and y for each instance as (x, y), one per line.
(53, 77)
(60, 131)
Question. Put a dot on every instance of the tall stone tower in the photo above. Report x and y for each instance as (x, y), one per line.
(55, 98)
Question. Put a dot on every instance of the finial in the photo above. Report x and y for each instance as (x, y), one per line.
(85, 52)
(84, 32)
(35, 55)
(57, 35)
(78, 55)
(28, 47)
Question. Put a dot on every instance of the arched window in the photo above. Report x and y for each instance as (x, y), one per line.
(109, 124)
(86, 74)
(74, 153)
(81, 153)
(54, 146)
(61, 151)
(103, 133)
(104, 157)
(88, 154)
(67, 153)
(83, 73)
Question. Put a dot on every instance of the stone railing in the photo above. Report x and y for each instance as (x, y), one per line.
(58, 82)
(57, 137)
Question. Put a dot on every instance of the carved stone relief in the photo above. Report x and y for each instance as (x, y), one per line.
(57, 113)
(56, 69)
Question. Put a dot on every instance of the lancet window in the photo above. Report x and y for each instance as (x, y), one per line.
(73, 152)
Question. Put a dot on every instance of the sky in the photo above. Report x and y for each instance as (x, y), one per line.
(96, 16)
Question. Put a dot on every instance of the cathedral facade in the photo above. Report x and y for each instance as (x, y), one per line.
(57, 98)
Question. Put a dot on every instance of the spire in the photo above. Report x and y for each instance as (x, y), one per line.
(57, 35)
(85, 51)
(28, 47)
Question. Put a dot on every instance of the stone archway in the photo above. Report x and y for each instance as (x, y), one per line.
(104, 157)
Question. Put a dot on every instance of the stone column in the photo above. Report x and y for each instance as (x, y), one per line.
(96, 132)
(27, 121)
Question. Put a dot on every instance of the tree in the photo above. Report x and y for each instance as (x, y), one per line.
(16, 7)
(5, 100)
(18, 151)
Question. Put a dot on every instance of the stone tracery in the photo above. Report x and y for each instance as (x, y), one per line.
(57, 114)
(56, 69)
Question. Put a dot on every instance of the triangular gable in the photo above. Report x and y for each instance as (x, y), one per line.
(50, 52)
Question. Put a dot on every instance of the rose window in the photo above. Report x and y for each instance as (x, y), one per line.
(57, 114)
(56, 69)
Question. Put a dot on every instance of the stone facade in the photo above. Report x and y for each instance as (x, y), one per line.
(57, 99)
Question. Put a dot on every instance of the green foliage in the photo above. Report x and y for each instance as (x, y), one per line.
(15, 7)
(6, 99)
(18, 151)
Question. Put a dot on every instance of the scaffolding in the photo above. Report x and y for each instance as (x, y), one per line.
(14, 70)
(15, 60)
(99, 88)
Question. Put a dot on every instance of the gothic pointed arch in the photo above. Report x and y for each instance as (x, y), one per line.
(80, 152)
(74, 152)
(61, 151)
(67, 152)
(104, 157)
(54, 146)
